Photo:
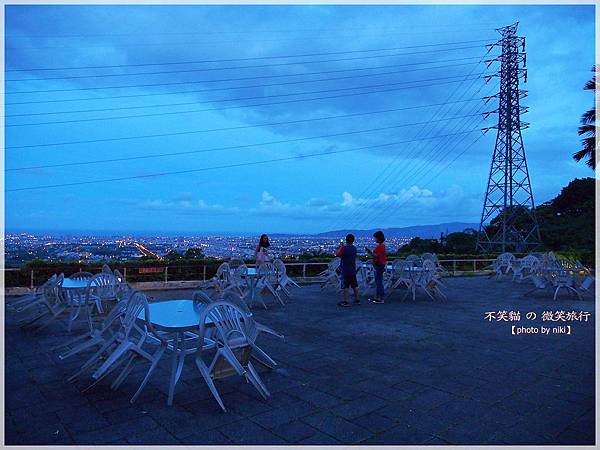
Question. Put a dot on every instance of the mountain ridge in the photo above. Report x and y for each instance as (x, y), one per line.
(423, 231)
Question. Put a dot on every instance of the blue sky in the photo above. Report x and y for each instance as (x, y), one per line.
(429, 166)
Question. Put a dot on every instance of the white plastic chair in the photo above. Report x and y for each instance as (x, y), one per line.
(221, 279)
(131, 348)
(268, 280)
(234, 350)
(262, 357)
(102, 288)
(283, 279)
(331, 274)
(49, 306)
(238, 280)
(524, 267)
(31, 299)
(99, 335)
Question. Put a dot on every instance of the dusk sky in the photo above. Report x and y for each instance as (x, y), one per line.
(385, 103)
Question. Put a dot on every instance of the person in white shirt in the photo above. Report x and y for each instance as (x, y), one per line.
(261, 253)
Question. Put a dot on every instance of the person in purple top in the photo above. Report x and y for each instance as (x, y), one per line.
(347, 254)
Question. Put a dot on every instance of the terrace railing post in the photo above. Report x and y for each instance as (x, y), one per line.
(474, 265)
(31, 278)
(454, 267)
(166, 274)
(204, 273)
(304, 271)
(125, 273)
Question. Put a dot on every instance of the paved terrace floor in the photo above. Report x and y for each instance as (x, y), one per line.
(407, 372)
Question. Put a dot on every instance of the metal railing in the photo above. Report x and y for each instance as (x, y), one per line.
(304, 272)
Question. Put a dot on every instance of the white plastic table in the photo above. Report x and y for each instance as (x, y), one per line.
(70, 283)
(175, 317)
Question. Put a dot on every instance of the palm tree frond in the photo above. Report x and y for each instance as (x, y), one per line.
(587, 129)
(589, 117)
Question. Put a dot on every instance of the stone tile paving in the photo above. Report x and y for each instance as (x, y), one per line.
(422, 372)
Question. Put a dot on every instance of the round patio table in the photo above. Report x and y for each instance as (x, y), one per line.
(79, 283)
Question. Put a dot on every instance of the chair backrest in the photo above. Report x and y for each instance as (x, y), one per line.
(136, 303)
(201, 297)
(529, 261)
(430, 265)
(566, 264)
(412, 258)
(81, 276)
(104, 285)
(237, 277)
(51, 288)
(279, 266)
(428, 256)
(223, 271)
(506, 258)
(334, 264)
(267, 271)
(228, 319)
(49, 283)
(235, 330)
(106, 269)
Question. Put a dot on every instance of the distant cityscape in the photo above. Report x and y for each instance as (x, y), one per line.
(21, 248)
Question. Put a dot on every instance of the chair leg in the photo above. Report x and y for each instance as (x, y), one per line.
(263, 358)
(114, 356)
(252, 375)
(105, 374)
(81, 347)
(157, 357)
(209, 382)
(124, 373)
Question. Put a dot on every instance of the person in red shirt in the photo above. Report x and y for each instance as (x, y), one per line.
(379, 261)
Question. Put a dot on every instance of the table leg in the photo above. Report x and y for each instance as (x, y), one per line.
(173, 379)
(252, 289)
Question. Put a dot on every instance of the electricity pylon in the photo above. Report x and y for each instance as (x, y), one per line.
(509, 198)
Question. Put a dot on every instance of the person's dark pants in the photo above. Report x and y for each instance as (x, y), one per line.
(379, 269)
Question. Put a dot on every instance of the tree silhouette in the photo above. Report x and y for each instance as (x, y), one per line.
(588, 129)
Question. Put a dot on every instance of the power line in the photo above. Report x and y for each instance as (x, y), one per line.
(305, 39)
(413, 172)
(212, 69)
(181, 133)
(245, 87)
(412, 165)
(226, 107)
(253, 58)
(127, 86)
(457, 27)
(120, 108)
(381, 179)
(436, 175)
(408, 173)
(431, 154)
(285, 141)
(227, 166)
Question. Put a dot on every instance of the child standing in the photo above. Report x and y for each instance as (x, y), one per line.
(379, 262)
(347, 254)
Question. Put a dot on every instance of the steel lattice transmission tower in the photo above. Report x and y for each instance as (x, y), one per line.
(509, 196)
